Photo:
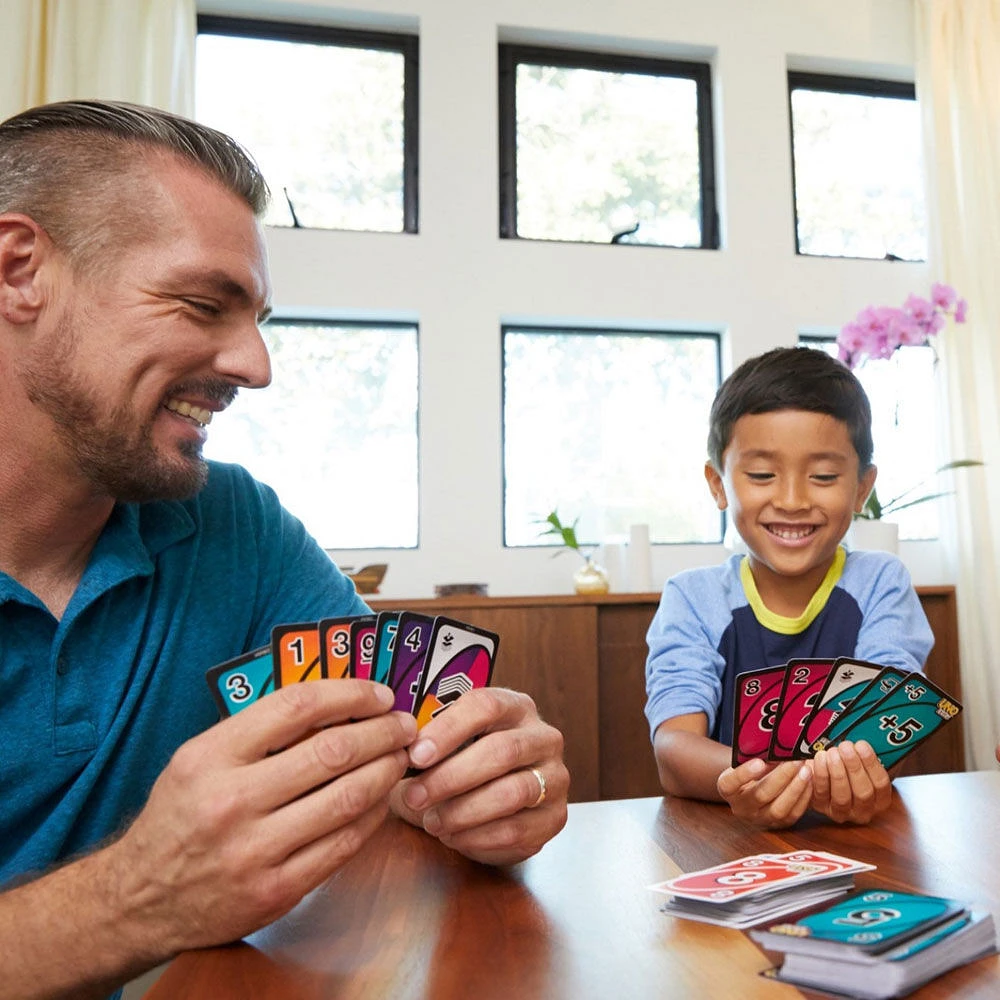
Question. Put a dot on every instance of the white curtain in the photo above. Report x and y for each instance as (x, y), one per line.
(129, 50)
(958, 87)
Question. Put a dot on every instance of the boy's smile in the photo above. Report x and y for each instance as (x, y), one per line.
(790, 479)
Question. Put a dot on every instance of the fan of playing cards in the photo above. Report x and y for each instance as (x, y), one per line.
(793, 711)
(428, 662)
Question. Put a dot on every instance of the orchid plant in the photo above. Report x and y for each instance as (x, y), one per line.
(877, 332)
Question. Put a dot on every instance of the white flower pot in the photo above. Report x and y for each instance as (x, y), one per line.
(882, 536)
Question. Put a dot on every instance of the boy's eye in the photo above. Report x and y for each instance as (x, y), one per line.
(825, 477)
(760, 477)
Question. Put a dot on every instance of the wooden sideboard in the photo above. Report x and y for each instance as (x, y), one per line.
(583, 661)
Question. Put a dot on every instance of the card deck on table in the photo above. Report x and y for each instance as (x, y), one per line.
(295, 649)
(843, 684)
(754, 706)
(241, 681)
(362, 646)
(413, 640)
(385, 642)
(872, 693)
(904, 718)
(335, 647)
(804, 679)
(460, 658)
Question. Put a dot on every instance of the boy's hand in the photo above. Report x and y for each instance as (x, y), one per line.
(850, 785)
(770, 796)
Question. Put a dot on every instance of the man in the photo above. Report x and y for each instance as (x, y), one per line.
(133, 280)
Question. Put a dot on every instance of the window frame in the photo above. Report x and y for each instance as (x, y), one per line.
(408, 46)
(510, 55)
(832, 83)
(561, 328)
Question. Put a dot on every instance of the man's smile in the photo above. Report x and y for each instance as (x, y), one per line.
(198, 414)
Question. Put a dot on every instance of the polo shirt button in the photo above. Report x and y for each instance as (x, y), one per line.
(62, 665)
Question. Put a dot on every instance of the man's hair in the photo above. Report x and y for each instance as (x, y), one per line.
(792, 378)
(71, 166)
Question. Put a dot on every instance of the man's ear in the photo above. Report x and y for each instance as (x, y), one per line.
(865, 485)
(24, 248)
(715, 486)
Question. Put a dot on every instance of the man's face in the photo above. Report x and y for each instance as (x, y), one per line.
(790, 480)
(145, 349)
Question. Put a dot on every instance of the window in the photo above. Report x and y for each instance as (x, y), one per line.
(335, 434)
(329, 114)
(901, 390)
(605, 426)
(605, 149)
(858, 168)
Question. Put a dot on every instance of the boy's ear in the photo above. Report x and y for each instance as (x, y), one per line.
(865, 485)
(715, 486)
(24, 247)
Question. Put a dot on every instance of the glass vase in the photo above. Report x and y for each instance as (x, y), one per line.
(590, 578)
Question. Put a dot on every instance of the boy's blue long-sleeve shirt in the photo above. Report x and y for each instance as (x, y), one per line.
(711, 625)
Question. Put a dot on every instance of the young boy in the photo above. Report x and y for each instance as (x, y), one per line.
(790, 458)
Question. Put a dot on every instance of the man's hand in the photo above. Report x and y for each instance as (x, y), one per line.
(850, 785)
(771, 796)
(478, 793)
(254, 813)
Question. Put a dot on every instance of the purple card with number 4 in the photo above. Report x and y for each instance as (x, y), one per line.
(413, 640)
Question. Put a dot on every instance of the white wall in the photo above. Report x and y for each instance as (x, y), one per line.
(460, 281)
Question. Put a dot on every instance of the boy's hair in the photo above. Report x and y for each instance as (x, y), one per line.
(792, 378)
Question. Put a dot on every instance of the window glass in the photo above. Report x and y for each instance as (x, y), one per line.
(605, 150)
(858, 169)
(901, 391)
(325, 120)
(335, 434)
(609, 427)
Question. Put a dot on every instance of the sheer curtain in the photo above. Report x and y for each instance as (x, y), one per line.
(130, 50)
(958, 86)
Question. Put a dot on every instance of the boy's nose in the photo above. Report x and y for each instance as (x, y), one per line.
(792, 495)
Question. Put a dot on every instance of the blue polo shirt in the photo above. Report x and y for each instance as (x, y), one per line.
(93, 706)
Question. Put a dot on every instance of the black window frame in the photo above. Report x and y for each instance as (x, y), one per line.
(564, 328)
(832, 83)
(510, 55)
(408, 46)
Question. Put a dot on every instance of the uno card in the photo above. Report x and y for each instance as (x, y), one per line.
(241, 681)
(413, 640)
(804, 679)
(385, 642)
(362, 646)
(904, 718)
(844, 683)
(873, 692)
(740, 879)
(295, 649)
(754, 705)
(460, 658)
(335, 647)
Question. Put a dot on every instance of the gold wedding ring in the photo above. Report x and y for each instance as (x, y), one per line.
(541, 787)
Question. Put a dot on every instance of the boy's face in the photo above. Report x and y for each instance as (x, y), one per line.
(790, 481)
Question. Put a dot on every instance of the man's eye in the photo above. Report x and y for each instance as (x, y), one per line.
(205, 308)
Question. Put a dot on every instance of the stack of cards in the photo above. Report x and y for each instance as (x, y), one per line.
(793, 711)
(428, 662)
(878, 944)
(761, 887)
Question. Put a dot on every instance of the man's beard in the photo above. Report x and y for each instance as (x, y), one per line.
(115, 451)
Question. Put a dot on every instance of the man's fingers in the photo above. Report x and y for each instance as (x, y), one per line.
(327, 754)
(281, 718)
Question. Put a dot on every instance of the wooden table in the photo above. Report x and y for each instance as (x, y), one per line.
(409, 919)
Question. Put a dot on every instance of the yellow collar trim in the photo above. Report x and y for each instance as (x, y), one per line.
(792, 626)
